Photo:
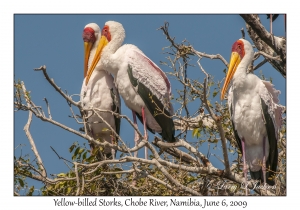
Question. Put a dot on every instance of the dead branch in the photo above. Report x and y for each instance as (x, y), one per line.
(217, 56)
(31, 141)
(58, 89)
(267, 42)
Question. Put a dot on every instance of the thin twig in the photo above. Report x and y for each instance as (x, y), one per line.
(217, 56)
(51, 81)
(62, 158)
(260, 64)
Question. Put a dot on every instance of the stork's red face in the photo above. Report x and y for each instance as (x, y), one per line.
(237, 54)
(105, 38)
(89, 39)
(106, 33)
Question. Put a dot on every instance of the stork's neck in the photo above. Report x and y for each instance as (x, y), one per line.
(240, 75)
(109, 57)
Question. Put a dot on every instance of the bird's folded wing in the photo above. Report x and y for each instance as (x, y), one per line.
(152, 77)
(270, 96)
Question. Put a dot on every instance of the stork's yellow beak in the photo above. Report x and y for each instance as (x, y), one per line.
(102, 43)
(87, 51)
(234, 62)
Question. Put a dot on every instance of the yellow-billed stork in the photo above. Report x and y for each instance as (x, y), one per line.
(98, 91)
(142, 84)
(255, 114)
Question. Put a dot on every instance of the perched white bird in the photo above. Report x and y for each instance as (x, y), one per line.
(255, 114)
(98, 91)
(142, 84)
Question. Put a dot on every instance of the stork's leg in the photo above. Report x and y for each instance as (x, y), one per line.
(264, 160)
(136, 135)
(145, 131)
(136, 139)
(113, 151)
(271, 23)
(245, 164)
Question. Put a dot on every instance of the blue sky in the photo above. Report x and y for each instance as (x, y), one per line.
(56, 41)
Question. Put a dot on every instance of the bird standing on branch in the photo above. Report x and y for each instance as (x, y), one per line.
(143, 85)
(99, 92)
(255, 114)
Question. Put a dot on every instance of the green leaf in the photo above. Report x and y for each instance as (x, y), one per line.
(69, 190)
(90, 159)
(195, 132)
(56, 185)
(71, 148)
(81, 151)
(76, 151)
(61, 175)
(84, 156)
(105, 129)
(215, 93)
(73, 157)
(21, 182)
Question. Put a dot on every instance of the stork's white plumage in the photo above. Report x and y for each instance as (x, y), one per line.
(98, 91)
(255, 114)
(142, 84)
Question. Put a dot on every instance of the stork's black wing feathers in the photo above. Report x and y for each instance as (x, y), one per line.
(272, 160)
(151, 101)
(115, 108)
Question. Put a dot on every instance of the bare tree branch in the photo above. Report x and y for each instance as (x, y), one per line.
(51, 81)
(31, 141)
(267, 42)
